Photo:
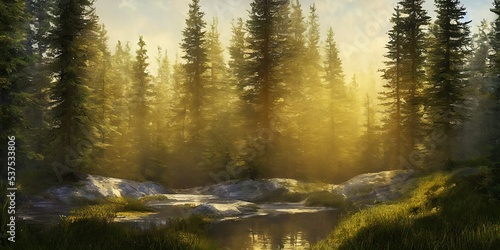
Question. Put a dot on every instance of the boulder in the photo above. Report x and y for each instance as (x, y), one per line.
(371, 188)
(95, 187)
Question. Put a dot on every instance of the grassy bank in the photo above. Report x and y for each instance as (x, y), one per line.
(443, 212)
(90, 227)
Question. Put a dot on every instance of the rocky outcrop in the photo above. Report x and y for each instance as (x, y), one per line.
(372, 188)
(95, 187)
(262, 189)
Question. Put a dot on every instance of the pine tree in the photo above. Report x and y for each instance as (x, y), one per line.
(102, 99)
(237, 53)
(141, 108)
(120, 115)
(13, 81)
(102, 84)
(297, 48)
(73, 131)
(312, 103)
(220, 99)
(404, 74)
(415, 22)
(393, 94)
(477, 135)
(267, 47)
(336, 102)
(195, 56)
(40, 29)
(313, 57)
(161, 126)
(369, 142)
(494, 38)
(495, 75)
(447, 76)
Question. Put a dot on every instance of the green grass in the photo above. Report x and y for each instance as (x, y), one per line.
(326, 199)
(441, 213)
(90, 227)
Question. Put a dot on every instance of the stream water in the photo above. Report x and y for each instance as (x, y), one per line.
(276, 231)
(271, 226)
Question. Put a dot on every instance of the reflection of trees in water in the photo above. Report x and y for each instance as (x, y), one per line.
(283, 231)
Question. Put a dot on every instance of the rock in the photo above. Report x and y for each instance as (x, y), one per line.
(372, 188)
(95, 187)
(261, 190)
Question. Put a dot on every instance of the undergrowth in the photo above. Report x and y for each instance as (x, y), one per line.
(441, 213)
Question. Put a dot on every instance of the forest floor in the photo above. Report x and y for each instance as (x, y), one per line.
(446, 210)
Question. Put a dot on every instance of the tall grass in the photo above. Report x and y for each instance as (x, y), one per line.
(441, 213)
(91, 227)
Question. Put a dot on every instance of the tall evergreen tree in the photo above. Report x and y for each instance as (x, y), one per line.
(495, 75)
(477, 136)
(336, 102)
(161, 126)
(405, 76)
(312, 102)
(495, 44)
(141, 108)
(38, 47)
(102, 99)
(447, 77)
(75, 38)
(13, 83)
(267, 44)
(415, 23)
(120, 114)
(220, 99)
(237, 53)
(313, 55)
(195, 56)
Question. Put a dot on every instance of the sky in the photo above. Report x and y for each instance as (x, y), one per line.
(360, 26)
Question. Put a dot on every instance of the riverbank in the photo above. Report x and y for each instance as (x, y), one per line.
(92, 227)
(445, 211)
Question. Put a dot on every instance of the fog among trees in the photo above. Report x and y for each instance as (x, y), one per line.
(275, 102)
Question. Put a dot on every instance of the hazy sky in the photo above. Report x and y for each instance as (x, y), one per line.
(360, 26)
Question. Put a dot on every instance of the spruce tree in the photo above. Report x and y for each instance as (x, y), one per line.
(120, 115)
(102, 100)
(495, 78)
(404, 74)
(494, 38)
(73, 131)
(38, 47)
(313, 56)
(220, 99)
(161, 126)
(195, 55)
(478, 131)
(141, 108)
(336, 101)
(267, 47)
(447, 77)
(13, 80)
(237, 53)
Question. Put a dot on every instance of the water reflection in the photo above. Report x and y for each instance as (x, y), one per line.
(279, 231)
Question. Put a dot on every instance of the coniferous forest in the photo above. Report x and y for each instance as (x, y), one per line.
(273, 101)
